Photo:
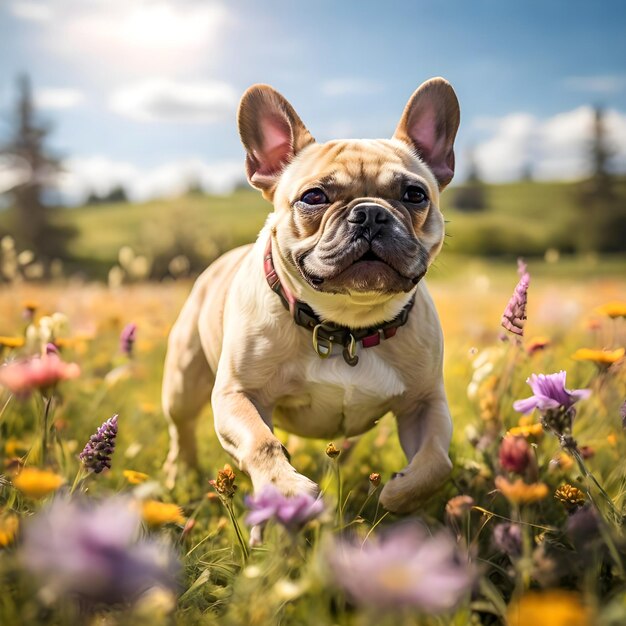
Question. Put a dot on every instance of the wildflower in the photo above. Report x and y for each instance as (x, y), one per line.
(531, 431)
(374, 479)
(102, 559)
(404, 569)
(224, 484)
(537, 344)
(11, 342)
(21, 377)
(332, 451)
(97, 453)
(293, 512)
(28, 309)
(519, 492)
(135, 478)
(9, 525)
(157, 513)
(127, 339)
(549, 608)
(570, 497)
(602, 358)
(36, 483)
(508, 538)
(514, 314)
(51, 348)
(13, 446)
(459, 505)
(622, 414)
(612, 309)
(555, 403)
(515, 454)
(561, 461)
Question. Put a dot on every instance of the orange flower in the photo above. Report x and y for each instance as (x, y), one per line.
(602, 358)
(157, 513)
(36, 483)
(9, 525)
(550, 608)
(519, 492)
(135, 478)
(536, 344)
(613, 309)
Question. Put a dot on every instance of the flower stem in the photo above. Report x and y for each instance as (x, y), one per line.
(44, 436)
(242, 542)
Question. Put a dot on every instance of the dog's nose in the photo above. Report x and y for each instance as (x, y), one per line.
(370, 217)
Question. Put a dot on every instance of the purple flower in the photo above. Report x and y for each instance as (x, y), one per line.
(127, 339)
(292, 512)
(93, 550)
(622, 413)
(514, 314)
(550, 393)
(508, 539)
(97, 453)
(406, 568)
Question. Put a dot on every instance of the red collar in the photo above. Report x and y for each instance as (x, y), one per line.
(327, 334)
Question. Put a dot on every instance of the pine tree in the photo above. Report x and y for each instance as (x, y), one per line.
(27, 145)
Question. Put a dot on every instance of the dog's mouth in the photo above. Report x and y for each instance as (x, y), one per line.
(370, 255)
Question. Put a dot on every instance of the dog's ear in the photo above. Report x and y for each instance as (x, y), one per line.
(272, 134)
(429, 124)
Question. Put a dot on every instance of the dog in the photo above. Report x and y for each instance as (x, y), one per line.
(325, 323)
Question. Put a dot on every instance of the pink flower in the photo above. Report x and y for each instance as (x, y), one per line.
(514, 454)
(550, 393)
(22, 377)
(127, 339)
(405, 569)
(514, 314)
(292, 512)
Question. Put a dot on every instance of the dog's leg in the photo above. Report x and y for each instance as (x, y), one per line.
(425, 436)
(245, 431)
(187, 385)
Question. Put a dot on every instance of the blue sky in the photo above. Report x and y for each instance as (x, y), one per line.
(144, 92)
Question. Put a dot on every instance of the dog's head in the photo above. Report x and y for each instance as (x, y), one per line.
(354, 216)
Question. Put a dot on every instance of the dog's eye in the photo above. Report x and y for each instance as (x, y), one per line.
(414, 195)
(314, 196)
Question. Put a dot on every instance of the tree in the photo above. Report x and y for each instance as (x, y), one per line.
(602, 217)
(31, 216)
(471, 196)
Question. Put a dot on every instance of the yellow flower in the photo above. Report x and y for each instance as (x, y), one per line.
(8, 529)
(157, 513)
(135, 478)
(36, 483)
(13, 446)
(613, 309)
(562, 461)
(529, 431)
(602, 358)
(550, 608)
(570, 497)
(519, 492)
(11, 342)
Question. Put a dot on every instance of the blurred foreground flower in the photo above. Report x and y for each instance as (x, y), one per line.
(602, 358)
(293, 512)
(519, 492)
(97, 453)
(22, 377)
(11, 342)
(550, 608)
(507, 538)
(406, 568)
(157, 513)
(36, 483)
(127, 339)
(514, 314)
(612, 309)
(92, 551)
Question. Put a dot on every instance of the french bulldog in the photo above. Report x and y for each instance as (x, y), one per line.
(325, 323)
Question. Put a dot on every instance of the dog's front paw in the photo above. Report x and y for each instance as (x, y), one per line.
(287, 480)
(412, 486)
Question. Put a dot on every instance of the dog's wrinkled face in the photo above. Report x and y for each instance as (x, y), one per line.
(354, 216)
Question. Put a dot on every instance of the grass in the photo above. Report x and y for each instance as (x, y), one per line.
(287, 580)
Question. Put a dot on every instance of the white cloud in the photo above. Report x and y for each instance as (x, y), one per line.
(599, 84)
(58, 98)
(337, 87)
(162, 100)
(31, 11)
(554, 148)
(99, 174)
